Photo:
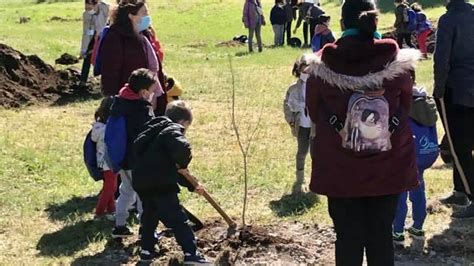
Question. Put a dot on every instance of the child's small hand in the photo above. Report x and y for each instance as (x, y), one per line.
(199, 189)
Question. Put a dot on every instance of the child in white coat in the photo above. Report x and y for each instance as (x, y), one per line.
(296, 115)
(106, 204)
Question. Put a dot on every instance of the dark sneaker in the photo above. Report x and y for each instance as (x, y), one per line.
(197, 259)
(456, 198)
(466, 213)
(121, 232)
(147, 256)
(416, 233)
(399, 239)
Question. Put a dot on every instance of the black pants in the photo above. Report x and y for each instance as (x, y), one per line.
(165, 208)
(86, 65)
(288, 32)
(404, 37)
(461, 128)
(364, 224)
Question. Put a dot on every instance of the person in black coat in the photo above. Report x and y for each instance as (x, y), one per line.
(454, 85)
(160, 151)
(290, 11)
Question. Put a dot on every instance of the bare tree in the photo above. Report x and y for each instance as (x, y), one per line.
(244, 146)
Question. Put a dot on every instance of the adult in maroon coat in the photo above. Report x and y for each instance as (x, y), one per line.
(129, 46)
(362, 187)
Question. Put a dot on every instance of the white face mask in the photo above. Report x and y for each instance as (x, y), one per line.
(150, 97)
(304, 77)
(91, 12)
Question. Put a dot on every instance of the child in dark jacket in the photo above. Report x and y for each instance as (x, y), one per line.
(160, 151)
(322, 34)
(278, 20)
(423, 124)
(132, 103)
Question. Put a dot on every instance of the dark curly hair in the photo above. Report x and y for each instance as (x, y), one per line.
(103, 112)
(119, 17)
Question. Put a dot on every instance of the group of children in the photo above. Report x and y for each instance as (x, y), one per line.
(315, 21)
(146, 152)
(410, 20)
(422, 121)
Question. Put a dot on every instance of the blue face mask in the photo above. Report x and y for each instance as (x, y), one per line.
(145, 23)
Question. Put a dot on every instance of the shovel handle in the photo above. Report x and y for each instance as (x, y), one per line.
(208, 197)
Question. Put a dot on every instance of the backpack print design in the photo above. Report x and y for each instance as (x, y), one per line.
(367, 124)
(426, 144)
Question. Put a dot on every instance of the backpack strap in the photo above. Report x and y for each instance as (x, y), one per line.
(334, 120)
(336, 123)
(393, 123)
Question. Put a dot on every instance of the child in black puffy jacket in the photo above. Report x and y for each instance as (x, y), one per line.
(160, 151)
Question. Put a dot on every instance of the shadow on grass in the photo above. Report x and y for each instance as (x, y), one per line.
(72, 208)
(241, 54)
(114, 253)
(294, 204)
(457, 240)
(72, 238)
(78, 94)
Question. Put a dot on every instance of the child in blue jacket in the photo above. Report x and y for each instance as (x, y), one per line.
(423, 124)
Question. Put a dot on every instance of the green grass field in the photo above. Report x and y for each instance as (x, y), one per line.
(45, 192)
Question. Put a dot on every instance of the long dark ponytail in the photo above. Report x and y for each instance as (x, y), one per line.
(368, 23)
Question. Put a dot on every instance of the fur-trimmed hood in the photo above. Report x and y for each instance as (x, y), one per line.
(404, 61)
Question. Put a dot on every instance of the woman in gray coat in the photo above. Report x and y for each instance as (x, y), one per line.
(94, 19)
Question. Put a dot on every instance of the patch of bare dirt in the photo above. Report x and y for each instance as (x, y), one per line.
(230, 44)
(285, 243)
(61, 19)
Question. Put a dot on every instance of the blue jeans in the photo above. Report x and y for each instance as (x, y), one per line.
(418, 199)
(279, 31)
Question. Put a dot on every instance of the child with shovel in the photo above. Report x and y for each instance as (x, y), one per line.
(160, 151)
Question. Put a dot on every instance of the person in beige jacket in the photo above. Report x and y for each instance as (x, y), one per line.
(94, 20)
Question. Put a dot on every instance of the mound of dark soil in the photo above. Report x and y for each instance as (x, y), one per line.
(26, 80)
(67, 59)
(283, 244)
